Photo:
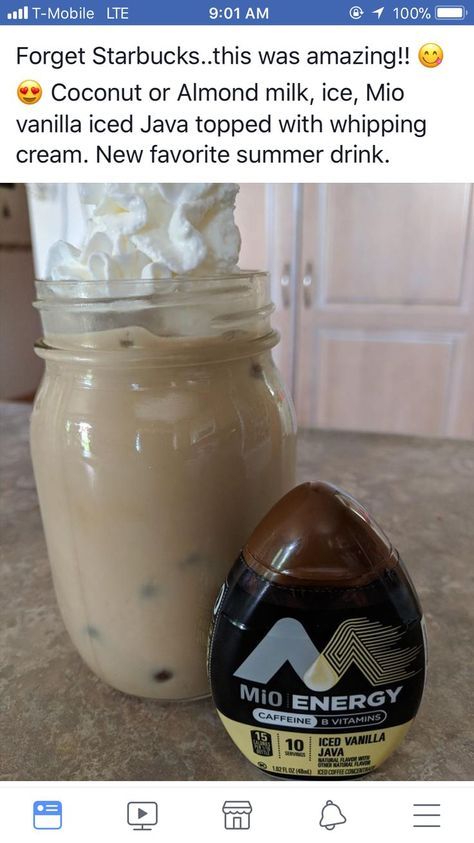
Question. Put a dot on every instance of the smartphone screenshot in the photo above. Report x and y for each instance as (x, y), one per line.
(236, 421)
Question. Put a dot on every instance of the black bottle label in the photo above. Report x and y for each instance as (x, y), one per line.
(317, 683)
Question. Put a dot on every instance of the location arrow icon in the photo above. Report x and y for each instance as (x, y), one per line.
(378, 12)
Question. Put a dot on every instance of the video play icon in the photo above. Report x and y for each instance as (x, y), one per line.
(142, 815)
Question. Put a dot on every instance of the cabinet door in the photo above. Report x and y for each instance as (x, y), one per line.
(269, 217)
(386, 327)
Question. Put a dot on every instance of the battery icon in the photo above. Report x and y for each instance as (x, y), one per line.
(450, 12)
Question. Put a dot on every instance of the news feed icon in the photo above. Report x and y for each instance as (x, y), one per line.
(48, 815)
(142, 815)
(18, 14)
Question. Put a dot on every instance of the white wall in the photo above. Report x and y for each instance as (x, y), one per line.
(20, 368)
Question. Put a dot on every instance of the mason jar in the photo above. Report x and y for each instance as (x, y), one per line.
(160, 436)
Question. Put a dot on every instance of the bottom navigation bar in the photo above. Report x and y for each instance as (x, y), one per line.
(268, 812)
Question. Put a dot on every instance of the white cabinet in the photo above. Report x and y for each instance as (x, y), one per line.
(374, 289)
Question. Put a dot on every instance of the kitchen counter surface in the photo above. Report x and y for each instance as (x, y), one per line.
(57, 721)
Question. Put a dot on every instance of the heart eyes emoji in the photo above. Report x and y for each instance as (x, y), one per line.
(29, 91)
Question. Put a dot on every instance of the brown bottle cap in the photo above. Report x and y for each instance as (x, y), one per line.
(318, 535)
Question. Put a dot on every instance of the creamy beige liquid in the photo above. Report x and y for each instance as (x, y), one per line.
(150, 479)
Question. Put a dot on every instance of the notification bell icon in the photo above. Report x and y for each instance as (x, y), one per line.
(331, 816)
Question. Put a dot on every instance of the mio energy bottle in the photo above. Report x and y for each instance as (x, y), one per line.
(317, 651)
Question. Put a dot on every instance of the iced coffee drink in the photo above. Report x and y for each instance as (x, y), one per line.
(161, 434)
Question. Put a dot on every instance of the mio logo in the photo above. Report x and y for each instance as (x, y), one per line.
(369, 645)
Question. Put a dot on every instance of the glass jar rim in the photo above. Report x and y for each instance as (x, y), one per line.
(182, 306)
(89, 291)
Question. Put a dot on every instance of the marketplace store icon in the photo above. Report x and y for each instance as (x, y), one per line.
(237, 815)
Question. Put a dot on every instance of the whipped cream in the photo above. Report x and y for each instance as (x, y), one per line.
(151, 231)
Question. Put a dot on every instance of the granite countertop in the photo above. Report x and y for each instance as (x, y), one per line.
(58, 721)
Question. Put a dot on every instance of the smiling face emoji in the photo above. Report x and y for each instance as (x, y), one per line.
(430, 55)
(29, 91)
